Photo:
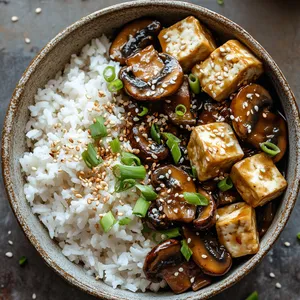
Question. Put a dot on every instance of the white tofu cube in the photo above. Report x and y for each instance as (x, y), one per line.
(236, 228)
(226, 69)
(188, 41)
(257, 179)
(213, 149)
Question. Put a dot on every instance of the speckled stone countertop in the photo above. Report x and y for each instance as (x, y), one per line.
(274, 23)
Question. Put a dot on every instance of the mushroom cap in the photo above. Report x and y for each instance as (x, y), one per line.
(164, 84)
(173, 182)
(133, 37)
(164, 254)
(212, 258)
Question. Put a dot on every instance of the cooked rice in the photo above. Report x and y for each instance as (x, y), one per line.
(57, 134)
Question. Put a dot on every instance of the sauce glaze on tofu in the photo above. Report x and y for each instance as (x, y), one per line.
(210, 137)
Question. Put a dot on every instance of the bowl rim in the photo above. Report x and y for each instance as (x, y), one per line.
(18, 92)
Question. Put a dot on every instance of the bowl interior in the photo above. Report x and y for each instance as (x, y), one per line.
(51, 60)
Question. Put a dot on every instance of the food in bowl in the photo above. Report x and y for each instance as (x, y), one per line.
(155, 160)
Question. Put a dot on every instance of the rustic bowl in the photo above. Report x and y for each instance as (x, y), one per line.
(53, 57)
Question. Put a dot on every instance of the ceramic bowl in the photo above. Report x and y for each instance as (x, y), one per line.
(53, 57)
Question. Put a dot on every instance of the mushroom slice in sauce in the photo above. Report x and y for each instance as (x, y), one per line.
(161, 256)
(133, 37)
(181, 97)
(156, 219)
(213, 111)
(265, 216)
(165, 83)
(206, 214)
(272, 128)
(253, 121)
(172, 182)
(150, 151)
(183, 276)
(212, 258)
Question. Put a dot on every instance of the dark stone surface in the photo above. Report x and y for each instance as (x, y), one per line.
(275, 24)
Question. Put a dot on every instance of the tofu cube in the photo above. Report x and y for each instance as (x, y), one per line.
(257, 179)
(236, 228)
(188, 41)
(226, 69)
(213, 149)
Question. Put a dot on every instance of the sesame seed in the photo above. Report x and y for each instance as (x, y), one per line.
(278, 285)
(33, 296)
(204, 256)
(192, 279)
(9, 232)
(231, 117)
(10, 242)
(272, 275)
(27, 40)
(189, 240)
(256, 108)
(176, 274)
(14, 19)
(33, 168)
(38, 10)
(180, 269)
(78, 195)
(9, 254)
(287, 244)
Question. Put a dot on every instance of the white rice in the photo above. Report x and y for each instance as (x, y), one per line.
(60, 117)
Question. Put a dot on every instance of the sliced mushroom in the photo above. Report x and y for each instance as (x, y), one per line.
(133, 37)
(180, 277)
(145, 64)
(270, 127)
(253, 121)
(200, 281)
(150, 151)
(172, 182)
(181, 97)
(156, 219)
(213, 111)
(212, 258)
(161, 256)
(206, 217)
(164, 84)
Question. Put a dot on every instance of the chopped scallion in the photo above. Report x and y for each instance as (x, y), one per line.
(109, 73)
(173, 144)
(195, 199)
(168, 136)
(124, 221)
(170, 233)
(225, 184)
(269, 148)
(180, 110)
(130, 159)
(194, 172)
(155, 134)
(253, 296)
(22, 260)
(115, 145)
(298, 235)
(143, 112)
(185, 250)
(129, 172)
(141, 207)
(147, 191)
(107, 221)
(90, 157)
(115, 86)
(124, 185)
(98, 129)
(194, 84)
